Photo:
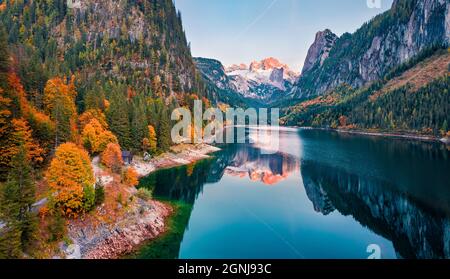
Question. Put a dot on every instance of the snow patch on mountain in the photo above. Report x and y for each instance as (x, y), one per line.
(262, 80)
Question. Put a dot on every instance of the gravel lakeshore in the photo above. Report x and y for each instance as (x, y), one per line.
(181, 155)
(394, 135)
(140, 221)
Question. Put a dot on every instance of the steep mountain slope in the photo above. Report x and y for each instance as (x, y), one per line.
(388, 40)
(140, 43)
(218, 85)
(213, 71)
(414, 98)
(320, 49)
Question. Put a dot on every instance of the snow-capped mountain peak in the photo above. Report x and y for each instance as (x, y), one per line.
(262, 79)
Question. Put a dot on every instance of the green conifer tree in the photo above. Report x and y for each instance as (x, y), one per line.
(139, 123)
(118, 120)
(17, 197)
(163, 133)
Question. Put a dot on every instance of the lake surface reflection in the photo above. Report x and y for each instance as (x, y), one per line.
(323, 195)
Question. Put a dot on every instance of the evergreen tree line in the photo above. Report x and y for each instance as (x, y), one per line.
(129, 117)
(158, 58)
(404, 110)
(18, 221)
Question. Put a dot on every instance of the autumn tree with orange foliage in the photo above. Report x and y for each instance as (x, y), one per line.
(56, 87)
(15, 110)
(69, 175)
(22, 135)
(130, 177)
(5, 129)
(150, 144)
(95, 137)
(343, 121)
(6, 114)
(42, 126)
(90, 114)
(112, 157)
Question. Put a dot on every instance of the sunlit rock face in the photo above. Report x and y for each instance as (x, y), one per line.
(266, 80)
(214, 71)
(385, 42)
(320, 49)
(263, 81)
(416, 231)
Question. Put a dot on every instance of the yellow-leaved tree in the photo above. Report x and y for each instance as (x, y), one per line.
(95, 137)
(112, 157)
(130, 177)
(150, 144)
(90, 114)
(69, 176)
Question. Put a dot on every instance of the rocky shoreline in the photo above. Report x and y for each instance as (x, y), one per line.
(142, 220)
(182, 155)
(392, 135)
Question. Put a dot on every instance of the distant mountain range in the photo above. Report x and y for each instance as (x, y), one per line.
(262, 81)
(363, 80)
(386, 41)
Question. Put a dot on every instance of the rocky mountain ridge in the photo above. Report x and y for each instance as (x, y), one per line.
(266, 66)
(388, 40)
(262, 81)
(320, 49)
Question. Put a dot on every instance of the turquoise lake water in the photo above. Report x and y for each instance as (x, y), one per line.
(323, 195)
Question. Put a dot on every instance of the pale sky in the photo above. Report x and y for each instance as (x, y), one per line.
(240, 31)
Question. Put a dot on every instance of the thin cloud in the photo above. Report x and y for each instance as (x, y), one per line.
(258, 18)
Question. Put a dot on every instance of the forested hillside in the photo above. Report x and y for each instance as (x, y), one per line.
(81, 80)
(129, 59)
(219, 86)
(412, 98)
(378, 46)
(391, 75)
(138, 43)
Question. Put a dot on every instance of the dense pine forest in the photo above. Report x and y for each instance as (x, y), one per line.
(93, 78)
(412, 98)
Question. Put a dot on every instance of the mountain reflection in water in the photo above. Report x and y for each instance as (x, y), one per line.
(333, 176)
